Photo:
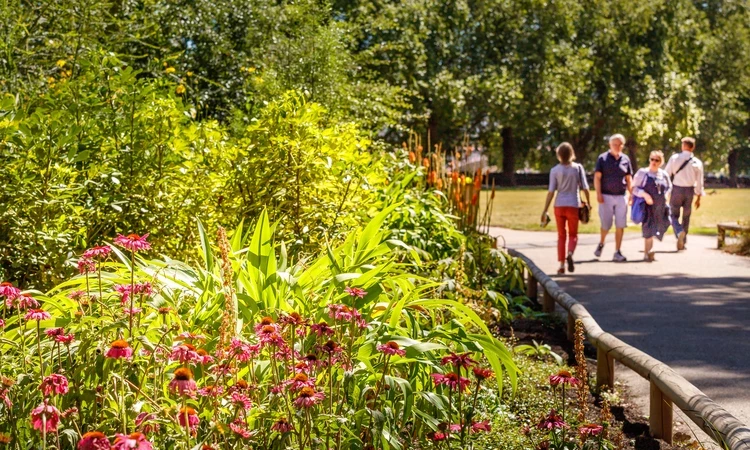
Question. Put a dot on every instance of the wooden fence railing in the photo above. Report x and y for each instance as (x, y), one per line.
(668, 389)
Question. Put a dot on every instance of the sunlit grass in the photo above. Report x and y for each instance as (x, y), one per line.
(521, 209)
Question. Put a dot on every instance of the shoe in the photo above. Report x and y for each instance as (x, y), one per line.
(651, 256)
(571, 267)
(681, 240)
(561, 271)
(619, 257)
(598, 251)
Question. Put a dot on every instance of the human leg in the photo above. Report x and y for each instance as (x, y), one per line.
(606, 215)
(647, 251)
(560, 220)
(621, 221)
(572, 215)
(687, 209)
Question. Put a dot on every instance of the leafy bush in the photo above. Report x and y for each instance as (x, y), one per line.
(76, 169)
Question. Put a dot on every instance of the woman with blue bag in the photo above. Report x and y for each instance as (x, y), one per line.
(651, 186)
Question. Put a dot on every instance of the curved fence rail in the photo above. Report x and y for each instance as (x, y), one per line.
(668, 388)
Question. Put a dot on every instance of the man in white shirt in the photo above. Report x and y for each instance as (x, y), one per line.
(686, 172)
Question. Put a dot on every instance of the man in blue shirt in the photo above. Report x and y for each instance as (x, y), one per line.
(612, 178)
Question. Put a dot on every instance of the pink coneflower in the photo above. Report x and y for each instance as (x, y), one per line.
(563, 377)
(203, 357)
(241, 400)
(25, 302)
(76, 295)
(134, 441)
(436, 436)
(147, 423)
(244, 351)
(45, 417)
(120, 349)
(240, 427)
(133, 242)
(183, 383)
(239, 386)
(270, 335)
(482, 374)
(322, 329)
(451, 380)
(86, 265)
(308, 397)
(391, 348)
(52, 332)
(54, 384)
(125, 291)
(94, 440)
(37, 314)
(184, 353)
(143, 288)
(211, 391)
(282, 426)
(551, 421)
(98, 252)
(2, 323)
(293, 319)
(65, 338)
(590, 429)
(331, 347)
(300, 381)
(9, 291)
(459, 360)
(132, 311)
(185, 335)
(343, 313)
(266, 321)
(187, 417)
(481, 426)
(6, 398)
(355, 292)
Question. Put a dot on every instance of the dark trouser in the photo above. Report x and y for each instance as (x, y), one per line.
(682, 197)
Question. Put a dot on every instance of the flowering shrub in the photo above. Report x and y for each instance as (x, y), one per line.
(348, 350)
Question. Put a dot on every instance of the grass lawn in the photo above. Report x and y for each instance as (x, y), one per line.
(521, 208)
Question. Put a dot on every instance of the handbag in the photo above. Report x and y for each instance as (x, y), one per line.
(584, 211)
(638, 209)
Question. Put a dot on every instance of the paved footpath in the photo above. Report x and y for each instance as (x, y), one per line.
(690, 310)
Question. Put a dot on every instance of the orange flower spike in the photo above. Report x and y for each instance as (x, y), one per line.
(426, 162)
(412, 157)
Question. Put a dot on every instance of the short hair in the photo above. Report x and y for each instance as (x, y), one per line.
(658, 153)
(565, 152)
(618, 136)
(689, 141)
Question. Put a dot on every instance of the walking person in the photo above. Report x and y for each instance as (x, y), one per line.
(612, 177)
(686, 173)
(568, 179)
(652, 184)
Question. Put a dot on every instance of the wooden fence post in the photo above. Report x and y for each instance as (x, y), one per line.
(660, 418)
(605, 369)
(548, 304)
(531, 287)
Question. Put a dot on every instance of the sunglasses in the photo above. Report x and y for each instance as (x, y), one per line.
(655, 160)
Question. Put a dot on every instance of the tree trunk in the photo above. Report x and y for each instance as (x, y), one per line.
(509, 155)
(732, 160)
(631, 146)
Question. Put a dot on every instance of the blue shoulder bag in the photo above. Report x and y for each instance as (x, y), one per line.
(638, 210)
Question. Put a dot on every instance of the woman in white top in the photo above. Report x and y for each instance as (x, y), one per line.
(652, 184)
(568, 179)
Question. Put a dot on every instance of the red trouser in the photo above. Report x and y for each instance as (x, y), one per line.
(566, 214)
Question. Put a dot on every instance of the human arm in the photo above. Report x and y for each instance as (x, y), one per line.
(637, 191)
(598, 186)
(699, 190)
(547, 202)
